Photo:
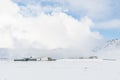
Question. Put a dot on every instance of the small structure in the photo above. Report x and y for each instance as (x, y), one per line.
(45, 59)
(36, 59)
(93, 57)
(81, 57)
(26, 59)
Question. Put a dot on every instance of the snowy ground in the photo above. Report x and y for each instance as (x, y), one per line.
(61, 70)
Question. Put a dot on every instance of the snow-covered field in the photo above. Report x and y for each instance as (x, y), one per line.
(84, 69)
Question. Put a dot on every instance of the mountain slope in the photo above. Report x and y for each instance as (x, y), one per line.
(110, 44)
(109, 49)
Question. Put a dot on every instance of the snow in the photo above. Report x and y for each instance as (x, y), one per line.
(65, 69)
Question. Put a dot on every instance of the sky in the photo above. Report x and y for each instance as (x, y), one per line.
(104, 13)
(73, 25)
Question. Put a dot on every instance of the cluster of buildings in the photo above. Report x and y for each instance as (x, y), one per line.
(35, 59)
(50, 59)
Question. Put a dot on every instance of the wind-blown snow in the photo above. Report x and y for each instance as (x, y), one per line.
(95, 69)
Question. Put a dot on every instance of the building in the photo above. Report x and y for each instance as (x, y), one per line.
(45, 59)
(26, 59)
(36, 59)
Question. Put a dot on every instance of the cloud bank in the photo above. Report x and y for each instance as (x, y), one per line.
(45, 33)
(93, 8)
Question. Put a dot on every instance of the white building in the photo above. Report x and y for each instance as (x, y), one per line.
(44, 59)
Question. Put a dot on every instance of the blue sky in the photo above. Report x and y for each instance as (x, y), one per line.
(99, 11)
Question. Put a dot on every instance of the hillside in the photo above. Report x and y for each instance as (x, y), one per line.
(108, 49)
(110, 44)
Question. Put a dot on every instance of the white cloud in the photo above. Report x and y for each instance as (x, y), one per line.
(8, 11)
(111, 24)
(57, 30)
(8, 7)
(95, 9)
(36, 9)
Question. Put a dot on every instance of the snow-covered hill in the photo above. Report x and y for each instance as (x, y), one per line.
(82, 69)
(108, 49)
(110, 44)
